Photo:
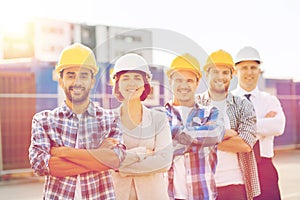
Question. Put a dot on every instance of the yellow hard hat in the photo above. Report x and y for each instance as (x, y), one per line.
(185, 62)
(219, 58)
(77, 55)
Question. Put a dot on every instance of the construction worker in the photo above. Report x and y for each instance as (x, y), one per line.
(78, 124)
(196, 129)
(236, 174)
(270, 119)
(146, 134)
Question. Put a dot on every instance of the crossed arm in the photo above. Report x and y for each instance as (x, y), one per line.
(67, 161)
(233, 143)
(60, 167)
(242, 137)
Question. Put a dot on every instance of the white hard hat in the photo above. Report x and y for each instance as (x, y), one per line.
(247, 53)
(129, 62)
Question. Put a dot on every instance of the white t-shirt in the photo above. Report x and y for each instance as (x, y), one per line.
(180, 187)
(78, 185)
(228, 171)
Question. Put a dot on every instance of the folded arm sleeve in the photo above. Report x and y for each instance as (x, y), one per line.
(161, 159)
(212, 132)
(247, 123)
(39, 150)
(273, 126)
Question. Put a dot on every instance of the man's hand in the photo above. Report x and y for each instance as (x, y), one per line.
(229, 133)
(184, 138)
(271, 114)
(109, 143)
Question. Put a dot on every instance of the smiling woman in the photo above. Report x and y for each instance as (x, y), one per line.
(146, 133)
(131, 85)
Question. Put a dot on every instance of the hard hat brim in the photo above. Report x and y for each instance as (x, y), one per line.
(171, 72)
(247, 59)
(206, 67)
(148, 74)
(93, 68)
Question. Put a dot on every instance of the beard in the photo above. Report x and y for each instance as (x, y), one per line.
(76, 99)
(218, 89)
(184, 95)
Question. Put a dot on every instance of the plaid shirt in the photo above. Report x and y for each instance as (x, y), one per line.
(243, 120)
(199, 158)
(61, 127)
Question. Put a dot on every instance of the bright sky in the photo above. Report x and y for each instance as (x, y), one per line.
(273, 27)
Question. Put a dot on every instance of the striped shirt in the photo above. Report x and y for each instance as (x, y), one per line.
(61, 127)
(243, 120)
(199, 158)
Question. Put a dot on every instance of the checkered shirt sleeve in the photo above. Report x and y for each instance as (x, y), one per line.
(60, 127)
(201, 159)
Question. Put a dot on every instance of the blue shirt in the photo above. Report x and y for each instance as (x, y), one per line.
(200, 157)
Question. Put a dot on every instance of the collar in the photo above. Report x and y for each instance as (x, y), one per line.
(229, 98)
(241, 92)
(206, 100)
(68, 112)
(169, 104)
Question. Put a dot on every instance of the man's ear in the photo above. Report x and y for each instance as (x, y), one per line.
(61, 83)
(206, 75)
(93, 82)
(234, 72)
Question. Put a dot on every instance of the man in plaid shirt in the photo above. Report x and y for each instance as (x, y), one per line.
(236, 174)
(196, 130)
(79, 124)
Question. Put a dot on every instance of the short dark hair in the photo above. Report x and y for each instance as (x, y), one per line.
(117, 93)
